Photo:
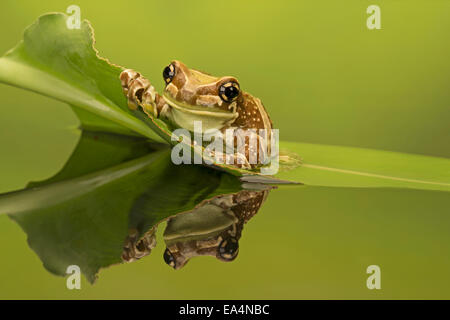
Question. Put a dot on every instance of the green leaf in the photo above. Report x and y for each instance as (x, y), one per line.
(84, 214)
(337, 166)
(62, 63)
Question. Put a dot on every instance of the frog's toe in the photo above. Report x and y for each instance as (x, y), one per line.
(127, 76)
(136, 89)
(132, 105)
(148, 102)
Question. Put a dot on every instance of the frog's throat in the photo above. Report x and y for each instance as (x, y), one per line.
(205, 222)
(184, 115)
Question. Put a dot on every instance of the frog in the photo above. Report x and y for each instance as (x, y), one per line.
(213, 229)
(218, 102)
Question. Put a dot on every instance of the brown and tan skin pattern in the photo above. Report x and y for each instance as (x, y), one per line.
(135, 248)
(194, 95)
(244, 206)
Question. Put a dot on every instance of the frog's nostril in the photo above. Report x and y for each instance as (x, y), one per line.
(187, 94)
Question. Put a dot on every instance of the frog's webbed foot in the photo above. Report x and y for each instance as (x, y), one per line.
(140, 92)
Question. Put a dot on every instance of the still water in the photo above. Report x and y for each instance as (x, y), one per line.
(138, 226)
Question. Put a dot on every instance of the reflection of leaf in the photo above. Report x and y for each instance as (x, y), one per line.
(356, 167)
(83, 217)
(62, 63)
(182, 187)
(100, 150)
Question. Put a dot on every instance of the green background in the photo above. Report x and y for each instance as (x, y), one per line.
(324, 78)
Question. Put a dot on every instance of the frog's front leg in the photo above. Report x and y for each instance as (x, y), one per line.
(140, 92)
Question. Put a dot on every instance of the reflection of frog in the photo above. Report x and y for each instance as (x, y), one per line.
(213, 229)
(191, 95)
(135, 248)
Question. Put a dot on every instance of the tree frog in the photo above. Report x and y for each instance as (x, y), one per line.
(218, 102)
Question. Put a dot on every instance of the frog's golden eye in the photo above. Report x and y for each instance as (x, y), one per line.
(169, 73)
(229, 91)
(169, 259)
(228, 249)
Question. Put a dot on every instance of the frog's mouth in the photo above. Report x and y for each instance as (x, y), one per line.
(185, 114)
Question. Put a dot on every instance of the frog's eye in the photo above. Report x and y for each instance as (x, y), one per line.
(169, 73)
(169, 259)
(229, 91)
(228, 249)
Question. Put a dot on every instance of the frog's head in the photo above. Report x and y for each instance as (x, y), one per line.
(177, 255)
(213, 229)
(200, 96)
(209, 230)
